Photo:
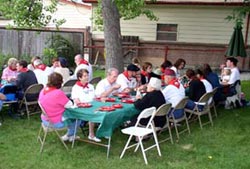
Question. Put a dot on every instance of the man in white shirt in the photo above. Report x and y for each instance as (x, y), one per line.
(174, 92)
(235, 73)
(108, 86)
(42, 72)
(81, 63)
(127, 79)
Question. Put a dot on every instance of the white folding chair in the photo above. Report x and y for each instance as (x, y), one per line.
(140, 132)
(48, 129)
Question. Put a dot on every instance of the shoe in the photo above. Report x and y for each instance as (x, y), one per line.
(71, 138)
(65, 137)
(95, 139)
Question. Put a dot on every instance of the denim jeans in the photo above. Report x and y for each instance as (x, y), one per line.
(71, 127)
(191, 104)
(178, 113)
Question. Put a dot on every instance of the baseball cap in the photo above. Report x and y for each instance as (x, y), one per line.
(155, 83)
(169, 72)
(132, 67)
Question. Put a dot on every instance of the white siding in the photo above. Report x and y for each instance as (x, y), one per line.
(76, 16)
(196, 24)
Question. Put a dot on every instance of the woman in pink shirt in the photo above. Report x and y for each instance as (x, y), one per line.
(10, 72)
(54, 102)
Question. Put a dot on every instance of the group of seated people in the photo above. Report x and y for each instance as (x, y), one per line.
(164, 85)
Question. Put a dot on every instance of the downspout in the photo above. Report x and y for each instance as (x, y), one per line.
(246, 39)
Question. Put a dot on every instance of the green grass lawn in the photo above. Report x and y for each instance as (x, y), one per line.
(224, 146)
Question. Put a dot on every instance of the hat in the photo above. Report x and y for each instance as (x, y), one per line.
(155, 83)
(133, 68)
(63, 61)
(157, 71)
(169, 72)
(38, 62)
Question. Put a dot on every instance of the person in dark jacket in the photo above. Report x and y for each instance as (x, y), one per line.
(25, 78)
(153, 98)
(196, 89)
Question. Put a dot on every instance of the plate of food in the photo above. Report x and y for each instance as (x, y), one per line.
(117, 106)
(127, 100)
(106, 108)
(110, 99)
(84, 105)
(123, 95)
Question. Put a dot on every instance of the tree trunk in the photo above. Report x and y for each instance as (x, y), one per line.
(112, 35)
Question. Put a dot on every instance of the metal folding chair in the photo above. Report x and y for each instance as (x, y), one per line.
(67, 87)
(180, 106)
(204, 102)
(48, 129)
(30, 98)
(140, 132)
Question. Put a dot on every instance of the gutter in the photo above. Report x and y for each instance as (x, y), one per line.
(198, 3)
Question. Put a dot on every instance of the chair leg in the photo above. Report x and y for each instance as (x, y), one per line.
(27, 111)
(157, 143)
(143, 151)
(126, 146)
(199, 117)
(43, 141)
(61, 140)
(210, 118)
(176, 130)
(170, 133)
(188, 128)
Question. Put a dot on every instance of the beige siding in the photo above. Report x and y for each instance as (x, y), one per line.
(76, 16)
(195, 24)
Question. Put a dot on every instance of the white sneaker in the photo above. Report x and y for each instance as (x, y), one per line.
(95, 139)
(71, 138)
(65, 137)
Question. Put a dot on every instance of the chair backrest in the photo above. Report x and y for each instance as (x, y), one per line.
(204, 100)
(163, 109)
(45, 114)
(145, 114)
(182, 103)
(70, 83)
(214, 90)
(34, 89)
(95, 80)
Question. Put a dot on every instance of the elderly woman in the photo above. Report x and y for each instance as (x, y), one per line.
(54, 102)
(83, 92)
(10, 72)
(153, 98)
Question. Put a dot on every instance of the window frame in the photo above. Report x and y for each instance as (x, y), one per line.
(167, 26)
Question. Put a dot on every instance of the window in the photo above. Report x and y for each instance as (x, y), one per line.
(166, 32)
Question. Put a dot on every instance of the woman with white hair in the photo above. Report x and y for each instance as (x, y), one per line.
(153, 98)
(10, 72)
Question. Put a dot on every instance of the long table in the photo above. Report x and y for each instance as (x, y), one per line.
(109, 121)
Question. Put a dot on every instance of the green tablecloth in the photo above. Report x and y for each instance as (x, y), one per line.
(108, 120)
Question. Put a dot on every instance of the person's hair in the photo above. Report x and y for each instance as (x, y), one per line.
(55, 80)
(227, 71)
(80, 73)
(55, 59)
(110, 70)
(12, 61)
(200, 72)
(35, 58)
(146, 65)
(178, 62)
(190, 73)
(80, 55)
(166, 64)
(23, 63)
(233, 60)
(206, 69)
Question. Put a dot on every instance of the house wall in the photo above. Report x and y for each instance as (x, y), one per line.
(203, 35)
(196, 24)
